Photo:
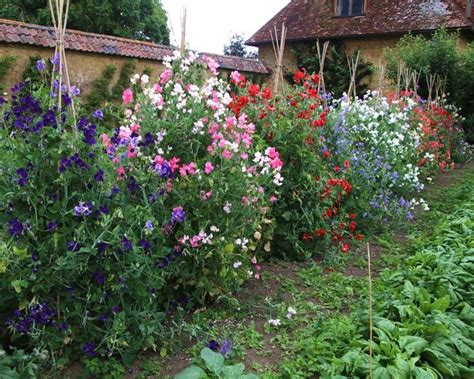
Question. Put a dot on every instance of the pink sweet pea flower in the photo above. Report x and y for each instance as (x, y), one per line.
(226, 154)
(208, 168)
(174, 163)
(127, 96)
(165, 76)
(121, 173)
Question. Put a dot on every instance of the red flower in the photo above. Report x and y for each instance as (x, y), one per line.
(266, 93)
(307, 237)
(299, 76)
(320, 233)
(345, 247)
(352, 226)
(254, 89)
(347, 164)
(337, 168)
(326, 154)
(359, 237)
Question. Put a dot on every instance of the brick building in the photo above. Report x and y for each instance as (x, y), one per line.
(365, 25)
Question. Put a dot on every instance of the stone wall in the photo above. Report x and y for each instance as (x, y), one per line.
(83, 67)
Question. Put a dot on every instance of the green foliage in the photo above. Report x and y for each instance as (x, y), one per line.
(428, 56)
(236, 47)
(100, 92)
(423, 317)
(215, 368)
(6, 64)
(336, 71)
(123, 81)
(21, 365)
(440, 55)
(136, 19)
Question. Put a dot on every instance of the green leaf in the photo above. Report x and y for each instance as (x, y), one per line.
(412, 344)
(381, 373)
(232, 372)
(421, 373)
(229, 248)
(214, 361)
(441, 304)
(193, 372)
(249, 376)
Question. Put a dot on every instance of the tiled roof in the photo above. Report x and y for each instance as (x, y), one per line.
(311, 19)
(19, 32)
(240, 64)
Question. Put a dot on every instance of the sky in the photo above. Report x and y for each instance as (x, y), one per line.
(211, 23)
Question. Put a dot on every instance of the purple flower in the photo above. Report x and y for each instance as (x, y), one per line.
(103, 317)
(116, 309)
(23, 177)
(127, 244)
(15, 227)
(2, 100)
(149, 225)
(40, 66)
(178, 215)
(73, 246)
(225, 348)
(51, 226)
(213, 345)
(99, 277)
(164, 170)
(89, 349)
(75, 91)
(144, 244)
(38, 314)
(99, 176)
(82, 209)
(55, 60)
(98, 114)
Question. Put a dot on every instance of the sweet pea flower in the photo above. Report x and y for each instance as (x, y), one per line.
(208, 168)
(127, 96)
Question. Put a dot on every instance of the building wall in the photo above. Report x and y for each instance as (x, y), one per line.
(83, 67)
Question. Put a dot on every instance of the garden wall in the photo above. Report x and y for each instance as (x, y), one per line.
(88, 54)
(83, 67)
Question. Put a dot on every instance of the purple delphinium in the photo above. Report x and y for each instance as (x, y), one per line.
(98, 114)
(178, 215)
(75, 91)
(144, 244)
(89, 349)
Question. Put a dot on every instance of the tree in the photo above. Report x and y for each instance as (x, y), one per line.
(236, 47)
(137, 19)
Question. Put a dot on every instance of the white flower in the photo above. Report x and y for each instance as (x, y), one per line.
(291, 312)
(274, 322)
(214, 229)
(145, 79)
(237, 264)
(227, 207)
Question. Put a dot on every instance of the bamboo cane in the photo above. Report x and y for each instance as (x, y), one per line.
(322, 59)
(183, 33)
(279, 49)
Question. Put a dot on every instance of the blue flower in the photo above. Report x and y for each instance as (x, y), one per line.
(178, 215)
(15, 227)
(149, 225)
(98, 114)
(40, 65)
(226, 348)
(89, 349)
